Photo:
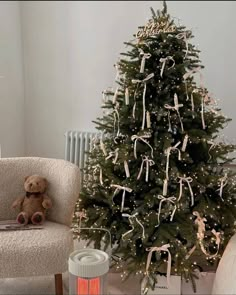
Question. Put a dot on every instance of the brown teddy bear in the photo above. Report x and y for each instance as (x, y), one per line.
(34, 204)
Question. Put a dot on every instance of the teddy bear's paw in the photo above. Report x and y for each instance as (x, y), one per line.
(22, 218)
(37, 218)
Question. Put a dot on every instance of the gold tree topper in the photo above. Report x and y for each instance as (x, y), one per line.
(153, 27)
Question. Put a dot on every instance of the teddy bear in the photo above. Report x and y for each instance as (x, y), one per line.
(34, 204)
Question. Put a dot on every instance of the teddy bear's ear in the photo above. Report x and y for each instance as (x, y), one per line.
(45, 180)
(26, 178)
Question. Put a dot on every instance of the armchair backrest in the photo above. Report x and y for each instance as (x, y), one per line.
(64, 185)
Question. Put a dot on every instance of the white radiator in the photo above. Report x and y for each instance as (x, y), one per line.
(77, 144)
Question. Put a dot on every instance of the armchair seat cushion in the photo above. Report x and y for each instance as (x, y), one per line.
(35, 252)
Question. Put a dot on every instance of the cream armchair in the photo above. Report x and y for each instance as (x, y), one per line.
(43, 251)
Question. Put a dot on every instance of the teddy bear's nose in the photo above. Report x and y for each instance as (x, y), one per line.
(31, 184)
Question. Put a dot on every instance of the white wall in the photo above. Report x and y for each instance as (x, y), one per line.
(11, 81)
(70, 48)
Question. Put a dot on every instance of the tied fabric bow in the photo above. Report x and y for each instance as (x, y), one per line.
(148, 162)
(163, 61)
(188, 180)
(183, 36)
(125, 189)
(144, 82)
(164, 199)
(223, 182)
(135, 138)
(213, 145)
(131, 220)
(163, 248)
(174, 108)
(113, 154)
(144, 57)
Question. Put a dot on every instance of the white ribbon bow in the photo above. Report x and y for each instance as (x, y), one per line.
(223, 181)
(213, 145)
(144, 57)
(163, 248)
(183, 36)
(174, 108)
(163, 61)
(188, 74)
(113, 154)
(142, 138)
(168, 152)
(148, 162)
(131, 218)
(188, 180)
(125, 189)
(144, 81)
(164, 199)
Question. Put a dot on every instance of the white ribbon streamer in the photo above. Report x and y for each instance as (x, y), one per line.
(202, 114)
(102, 146)
(223, 182)
(125, 189)
(163, 248)
(100, 173)
(113, 154)
(183, 36)
(168, 152)
(131, 220)
(135, 138)
(144, 57)
(175, 108)
(188, 180)
(144, 81)
(164, 199)
(163, 61)
(148, 162)
(213, 145)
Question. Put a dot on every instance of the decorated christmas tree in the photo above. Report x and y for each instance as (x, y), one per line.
(157, 179)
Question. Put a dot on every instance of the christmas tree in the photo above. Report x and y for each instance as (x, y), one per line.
(157, 179)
